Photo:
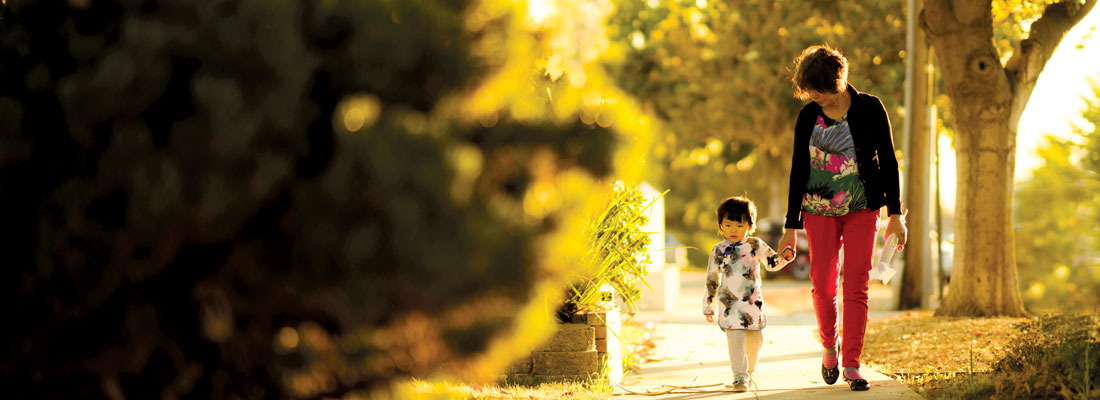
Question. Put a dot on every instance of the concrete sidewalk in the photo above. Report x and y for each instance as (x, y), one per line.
(691, 352)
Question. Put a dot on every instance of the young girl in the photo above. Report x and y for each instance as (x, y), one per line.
(733, 282)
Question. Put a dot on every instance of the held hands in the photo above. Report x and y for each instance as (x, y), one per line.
(787, 254)
(787, 245)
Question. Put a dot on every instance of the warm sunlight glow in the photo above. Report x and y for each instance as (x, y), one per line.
(1036, 290)
(359, 111)
(1056, 104)
(1061, 272)
(947, 172)
(288, 338)
(538, 11)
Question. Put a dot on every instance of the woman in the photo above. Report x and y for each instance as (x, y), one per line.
(843, 171)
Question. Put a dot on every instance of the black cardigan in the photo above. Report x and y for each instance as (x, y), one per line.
(874, 142)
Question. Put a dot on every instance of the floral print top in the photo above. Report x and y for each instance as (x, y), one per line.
(733, 279)
(833, 188)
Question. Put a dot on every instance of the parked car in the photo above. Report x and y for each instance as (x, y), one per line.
(675, 253)
(947, 254)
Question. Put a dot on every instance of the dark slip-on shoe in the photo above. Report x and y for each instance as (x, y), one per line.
(830, 374)
(857, 384)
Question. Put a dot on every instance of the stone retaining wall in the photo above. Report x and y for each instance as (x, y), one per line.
(609, 346)
(574, 353)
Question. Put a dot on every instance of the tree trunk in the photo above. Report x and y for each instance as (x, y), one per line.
(911, 294)
(987, 100)
(984, 273)
(777, 179)
(984, 269)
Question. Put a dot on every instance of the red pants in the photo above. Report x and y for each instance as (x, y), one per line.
(825, 235)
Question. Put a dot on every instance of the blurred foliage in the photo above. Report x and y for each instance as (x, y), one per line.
(717, 72)
(617, 254)
(274, 199)
(1058, 238)
(1012, 20)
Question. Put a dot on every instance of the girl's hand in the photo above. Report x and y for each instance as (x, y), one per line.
(710, 318)
(897, 227)
(784, 255)
(788, 244)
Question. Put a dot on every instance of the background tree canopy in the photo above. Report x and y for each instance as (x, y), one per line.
(268, 199)
(718, 74)
(1057, 212)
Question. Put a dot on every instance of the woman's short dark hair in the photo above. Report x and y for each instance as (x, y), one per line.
(737, 209)
(821, 68)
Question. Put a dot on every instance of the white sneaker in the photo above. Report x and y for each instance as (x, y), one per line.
(739, 385)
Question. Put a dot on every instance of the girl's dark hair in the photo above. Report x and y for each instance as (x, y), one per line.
(737, 209)
(821, 68)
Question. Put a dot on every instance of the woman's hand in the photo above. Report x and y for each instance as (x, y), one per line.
(788, 241)
(896, 226)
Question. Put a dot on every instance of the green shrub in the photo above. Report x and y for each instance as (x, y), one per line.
(617, 254)
(1056, 356)
(1051, 357)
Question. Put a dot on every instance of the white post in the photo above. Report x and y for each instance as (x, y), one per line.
(664, 280)
(613, 324)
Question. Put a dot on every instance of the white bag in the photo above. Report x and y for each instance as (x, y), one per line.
(882, 270)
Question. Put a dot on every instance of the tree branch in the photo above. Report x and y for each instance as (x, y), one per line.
(971, 12)
(1031, 54)
(933, 14)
